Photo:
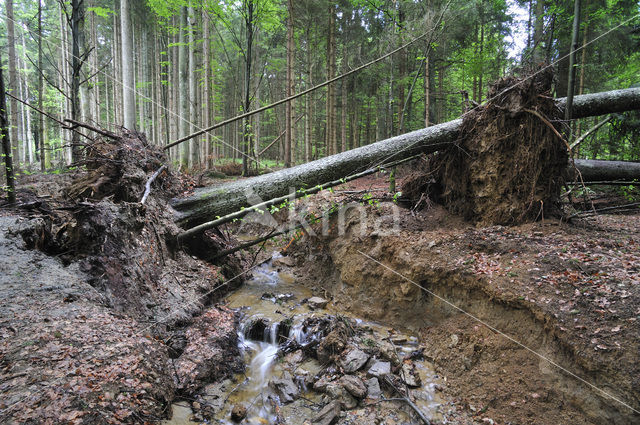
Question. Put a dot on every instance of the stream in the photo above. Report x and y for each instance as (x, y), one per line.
(280, 316)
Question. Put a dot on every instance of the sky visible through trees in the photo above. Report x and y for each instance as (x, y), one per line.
(191, 65)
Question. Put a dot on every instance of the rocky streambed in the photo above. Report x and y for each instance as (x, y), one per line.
(308, 363)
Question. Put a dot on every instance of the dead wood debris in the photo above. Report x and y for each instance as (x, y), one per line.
(509, 165)
(130, 258)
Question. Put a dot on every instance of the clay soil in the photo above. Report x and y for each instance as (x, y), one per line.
(103, 319)
(530, 324)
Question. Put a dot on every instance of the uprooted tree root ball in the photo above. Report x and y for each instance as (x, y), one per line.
(508, 166)
(138, 311)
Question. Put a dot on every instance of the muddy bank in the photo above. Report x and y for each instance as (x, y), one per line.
(308, 363)
(104, 319)
(66, 356)
(568, 292)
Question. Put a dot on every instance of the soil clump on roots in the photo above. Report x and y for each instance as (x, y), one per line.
(104, 318)
(509, 163)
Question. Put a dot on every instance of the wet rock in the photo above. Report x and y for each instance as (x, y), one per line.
(216, 394)
(256, 329)
(285, 388)
(294, 357)
(317, 303)
(328, 415)
(410, 375)
(277, 298)
(284, 262)
(399, 339)
(354, 360)
(379, 368)
(238, 413)
(337, 392)
(321, 384)
(388, 352)
(354, 386)
(373, 388)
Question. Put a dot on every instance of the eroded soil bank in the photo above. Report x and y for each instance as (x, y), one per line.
(103, 318)
(531, 324)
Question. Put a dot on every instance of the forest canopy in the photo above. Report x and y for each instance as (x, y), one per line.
(169, 69)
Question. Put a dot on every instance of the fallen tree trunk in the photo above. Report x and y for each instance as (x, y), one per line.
(596, 170)
(208, 203)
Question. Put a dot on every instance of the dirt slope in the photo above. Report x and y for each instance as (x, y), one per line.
(570, 293)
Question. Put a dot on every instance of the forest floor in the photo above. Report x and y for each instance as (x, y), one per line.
(103, 319)
(113, 331)
(529, 324)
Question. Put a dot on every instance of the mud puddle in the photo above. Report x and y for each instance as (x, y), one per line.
(306, 361)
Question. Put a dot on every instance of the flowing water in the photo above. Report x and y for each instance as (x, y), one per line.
(273, 313)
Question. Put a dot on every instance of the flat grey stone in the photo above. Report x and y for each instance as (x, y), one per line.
(354, 385)
(379, 369)
(373, 388)
(328, 415)
(354, 360)
(317, 302)
(410, 375)
(337, 392)
(285, 388)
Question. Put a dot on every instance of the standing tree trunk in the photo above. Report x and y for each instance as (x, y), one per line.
(481, 54)
(289, 91)
(116, 90)
(128, 95)
(402, 70)
(208, 112)
(40, 134)
(343, 110)
(427, 91)
(63, 81)
(173, 103)
(308, 122)
(12, 114)
(140, 81)
(246, 136)
(27, 134)
(583, 60)
(6, 143)
(538, 30)
(572, 60)
(331, 139)
(194, 160)
(77, 60)
(93, 67)
(183, 86)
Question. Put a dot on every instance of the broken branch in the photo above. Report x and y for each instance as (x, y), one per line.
(147, 186)
(100, 131)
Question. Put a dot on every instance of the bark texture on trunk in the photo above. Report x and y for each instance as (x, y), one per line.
(207, 203)
(594, 170)
(128, 96)
(12, 113)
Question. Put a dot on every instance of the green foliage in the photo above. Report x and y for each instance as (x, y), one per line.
(370, 200)
(102, 12)
(630, 192)
(467, 50)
